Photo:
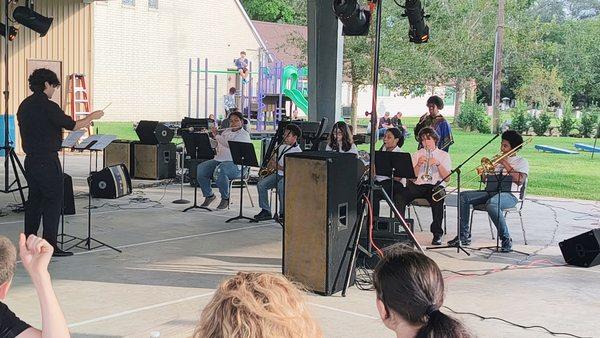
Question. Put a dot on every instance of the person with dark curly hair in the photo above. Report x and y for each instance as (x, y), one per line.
(514, 167)
(393, 140)
(41, 123)
(437, 122)
(410, 293)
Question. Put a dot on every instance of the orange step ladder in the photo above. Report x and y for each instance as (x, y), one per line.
(79, 98)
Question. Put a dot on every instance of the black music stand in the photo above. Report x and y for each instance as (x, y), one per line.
(394, 164)
(68, 143)
(458, 171)
(496, 184)
(198, 147)
(94, 143)
(243, 155)
(400, 164)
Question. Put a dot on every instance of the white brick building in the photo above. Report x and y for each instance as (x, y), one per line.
(140, 54)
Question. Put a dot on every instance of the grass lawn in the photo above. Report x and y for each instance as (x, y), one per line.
(569, 176)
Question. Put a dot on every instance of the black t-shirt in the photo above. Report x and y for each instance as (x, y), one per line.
(41, 122)
(10, 325)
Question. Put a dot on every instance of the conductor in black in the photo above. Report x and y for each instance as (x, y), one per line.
(41, 122)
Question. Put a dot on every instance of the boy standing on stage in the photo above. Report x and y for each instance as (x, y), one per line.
(41, 122)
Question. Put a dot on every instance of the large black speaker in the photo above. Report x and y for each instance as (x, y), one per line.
(154, 161)
(110, 182)
(320, 214)
(68, 197)
(153, 132)
(582, 250)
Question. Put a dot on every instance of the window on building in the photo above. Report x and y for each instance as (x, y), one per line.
(153, 4)
(128, 2)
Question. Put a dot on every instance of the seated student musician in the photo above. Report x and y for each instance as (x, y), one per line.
(393, 140)
(276, 164)
(431, 165)
(35, 254)
(517, 168)
(410, 292)
(222, 166)
(340, 139)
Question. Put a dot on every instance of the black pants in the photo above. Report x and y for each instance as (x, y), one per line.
(413, 191)
(45, 180)
(387, 186)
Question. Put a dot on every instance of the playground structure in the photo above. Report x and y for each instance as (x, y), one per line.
(262, 99)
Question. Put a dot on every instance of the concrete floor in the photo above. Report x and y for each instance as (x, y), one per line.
(172, 261)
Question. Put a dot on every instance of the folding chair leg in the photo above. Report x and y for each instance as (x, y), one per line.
(417, 217)
(471, 223)
(249, 196)
(491, 228)
(522, 227)
(445, 229)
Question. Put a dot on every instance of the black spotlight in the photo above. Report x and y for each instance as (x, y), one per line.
(12, 31)
(356, 20)
(418, 31)
(32, 20)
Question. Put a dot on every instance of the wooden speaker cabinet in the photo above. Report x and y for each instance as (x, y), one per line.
(320, 215)
(119, 152)
(154, 161)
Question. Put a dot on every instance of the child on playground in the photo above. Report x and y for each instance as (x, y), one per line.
(242, 66)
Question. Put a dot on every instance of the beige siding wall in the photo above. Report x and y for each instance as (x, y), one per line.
(141, 54)
(68, 41)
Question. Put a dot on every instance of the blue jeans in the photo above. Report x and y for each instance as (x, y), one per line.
(222, 172)
(267, 184)
(468, 198)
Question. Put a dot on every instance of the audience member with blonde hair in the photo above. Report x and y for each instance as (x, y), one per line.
(410, 293)
(257, 305)
(35, 254)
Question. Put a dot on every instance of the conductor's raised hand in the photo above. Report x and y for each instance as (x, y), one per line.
(96, 115)
(35, 253)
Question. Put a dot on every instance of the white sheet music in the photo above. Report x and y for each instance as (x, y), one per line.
(72, 139)
(104, 141)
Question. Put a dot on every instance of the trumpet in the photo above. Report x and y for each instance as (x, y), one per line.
(487, 166)
(427, 175)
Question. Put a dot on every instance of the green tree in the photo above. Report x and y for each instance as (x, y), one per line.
(541, 87)
(270, 11)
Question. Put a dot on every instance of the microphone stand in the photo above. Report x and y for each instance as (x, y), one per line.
(457, 170)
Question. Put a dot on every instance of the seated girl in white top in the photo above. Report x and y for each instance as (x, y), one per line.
(393, 139)
(341, 140)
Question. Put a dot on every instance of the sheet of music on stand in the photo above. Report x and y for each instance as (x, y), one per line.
(71, 140)
(95, 142)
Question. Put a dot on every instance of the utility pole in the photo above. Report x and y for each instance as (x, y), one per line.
(497, 73)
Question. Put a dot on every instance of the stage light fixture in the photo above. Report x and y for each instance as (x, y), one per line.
(32, 20)
(12, 31)
(418, 31)
(355, 19)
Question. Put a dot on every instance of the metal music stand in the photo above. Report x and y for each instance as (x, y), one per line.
(68, 143)
(385, 162)
(243, 155)
(94, 143)
(395, 163)
(198, 147)
(496, 184)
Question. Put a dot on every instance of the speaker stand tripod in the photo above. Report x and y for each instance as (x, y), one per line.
(181, 200)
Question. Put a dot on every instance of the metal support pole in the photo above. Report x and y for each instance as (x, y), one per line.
(197, 87)
(189, 87)
(205, 87)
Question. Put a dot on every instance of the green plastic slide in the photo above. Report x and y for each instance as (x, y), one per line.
(288, 88)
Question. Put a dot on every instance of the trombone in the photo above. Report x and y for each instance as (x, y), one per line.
(487, 166)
